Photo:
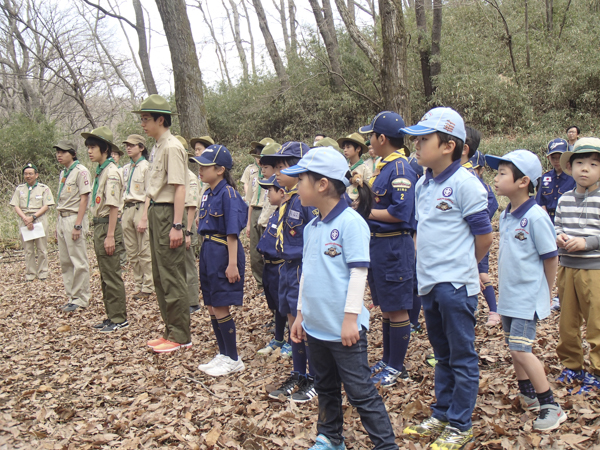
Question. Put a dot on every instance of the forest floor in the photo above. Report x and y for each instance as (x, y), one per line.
(65, 386)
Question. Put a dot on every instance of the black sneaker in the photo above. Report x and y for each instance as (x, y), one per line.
(101, 325)
(287, 387)
(194, 308)
(70, 307)
(306, 390)
(110, 327)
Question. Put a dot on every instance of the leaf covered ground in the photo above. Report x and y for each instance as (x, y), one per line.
(65, 386)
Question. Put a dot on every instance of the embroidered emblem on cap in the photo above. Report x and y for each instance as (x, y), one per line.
(443, 206)
(449, 127)
(447, 192)
(520, 236)
(335, 234)
(524, 222)
(332, 251)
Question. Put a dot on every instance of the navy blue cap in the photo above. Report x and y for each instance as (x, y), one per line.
(557, 145)
(215, 155)
(291, 149)
(387, 123)
(271, 181)
(477, 160)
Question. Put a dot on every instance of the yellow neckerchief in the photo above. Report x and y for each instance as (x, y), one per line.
(282, 209)
(468, 165)
(381, 164)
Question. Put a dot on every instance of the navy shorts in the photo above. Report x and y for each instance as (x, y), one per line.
(289, 286)
(216, 288)
(519, 334)
(484, 265)
(392, 272)
(270, 281)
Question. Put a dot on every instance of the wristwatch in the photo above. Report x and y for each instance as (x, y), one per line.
(34, 217)
(188, 233)
(77, 227)
(177, 226)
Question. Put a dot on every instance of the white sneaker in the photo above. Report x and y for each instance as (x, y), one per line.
(225, 366)
(213, 362)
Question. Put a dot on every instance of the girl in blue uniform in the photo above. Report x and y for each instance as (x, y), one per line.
(222, 216)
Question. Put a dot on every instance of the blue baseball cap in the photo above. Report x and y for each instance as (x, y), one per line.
(557, 145)
(215, 155)
(271, 181)
(442, 119)
(526, 161)
(291, 149)
(477, 160)
(387, 123)
(326, 161)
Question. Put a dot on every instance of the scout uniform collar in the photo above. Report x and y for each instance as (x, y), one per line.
(30, 188)
(99, 170)
(360, 161)
(381, 164)
(163, 137)
(336, 211)
(133, 166)
(219, 187)
(447, 173)
(521, 210)
(66, 173)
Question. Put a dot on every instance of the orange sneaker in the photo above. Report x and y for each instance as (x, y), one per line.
(169, 346)
(156, 342)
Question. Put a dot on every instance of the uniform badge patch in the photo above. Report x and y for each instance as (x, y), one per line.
(524, 222)
(315, 212)
(98, 199)
(447, 192)
(332, 251)
(520, 236)
(548, 179)
(293, 232)
(204, 197)
(377, 199)
(401, 183)
(334, 234)
(443, 206)
(294, 214)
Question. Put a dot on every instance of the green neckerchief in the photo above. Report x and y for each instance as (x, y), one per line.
(260, 177)
(99, 170)
(63, 180)
(133, 166)
(31, 188)
(360, 161)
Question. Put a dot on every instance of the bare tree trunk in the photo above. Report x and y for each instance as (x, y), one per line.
(143, 48)
(189, 94)
(331, 44)
(281, 10)
(270, 43)
(293, 34)
(252, 62)
(424, 49)
(528, 60)
(549, 15)
(436, 38)
(237, 37)
(494, 4)
(219, 51)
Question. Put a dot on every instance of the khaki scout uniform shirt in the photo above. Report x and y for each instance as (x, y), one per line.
(267, 210)
(31, 199)
(250, 179)
(135, 180)
(110, 187)
(77, 184)
(168, 168)
(192, 197)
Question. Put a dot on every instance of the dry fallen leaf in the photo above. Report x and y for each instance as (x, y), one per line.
(64, 329)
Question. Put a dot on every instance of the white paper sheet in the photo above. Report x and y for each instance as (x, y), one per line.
(36, 233)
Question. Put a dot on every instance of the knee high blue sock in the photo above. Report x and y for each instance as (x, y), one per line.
(227, 326)
(415, 311)
(218, 335)
(299, 357)
(490, 296)
(279, 326)
(399, 339)
(386, 340)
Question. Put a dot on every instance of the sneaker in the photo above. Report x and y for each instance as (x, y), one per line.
(213, 362)
(430, 360)
(102, 324)
(452, 439)
(416, 329)
(194, 308)
(286, 351)
(323, 443)
(225, 366)
(110, 327)
(590, 383)
(528, 403)
(389, 376)
(270, 347)
(428, 427)
(555, 304)
(169, 346)
(70, 307)
(493, 319)
(567, 376)
(156, 342)
(306, 390)
(287, 387)
(550, 418)
(379, 365)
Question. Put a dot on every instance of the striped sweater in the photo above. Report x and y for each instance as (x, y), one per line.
(578, 215)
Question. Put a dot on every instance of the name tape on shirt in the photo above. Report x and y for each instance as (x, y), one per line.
(294, 214)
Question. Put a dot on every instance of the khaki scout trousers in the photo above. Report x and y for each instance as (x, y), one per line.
(191, 270)
(168, 271)
(256, 259)
(138, 248)
(37, 268)
(579, 293)
(113, 288)
(73, 260)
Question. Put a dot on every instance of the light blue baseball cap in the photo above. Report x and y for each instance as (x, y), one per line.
(441, 119)
(326, 161)
(524, 160)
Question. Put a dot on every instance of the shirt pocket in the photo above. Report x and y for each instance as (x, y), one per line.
(137, 182)
(216, 209)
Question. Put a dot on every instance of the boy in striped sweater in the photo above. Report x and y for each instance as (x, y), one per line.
(577, 224)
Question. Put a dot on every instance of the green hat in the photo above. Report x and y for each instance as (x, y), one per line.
(185, 144)
(355, 138)
(328, 142)
(583, 145)
(29, 166)
(262, 144)
(270, 149)
(66, 146)
(204, 140)
(104, 134)
(155, 104)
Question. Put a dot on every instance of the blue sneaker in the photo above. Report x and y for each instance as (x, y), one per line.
(286, 350)
(590, 383)
(567, 376)
(389, 376)
(323, 443)
(270, 347)
(416, 329)
(379, 365)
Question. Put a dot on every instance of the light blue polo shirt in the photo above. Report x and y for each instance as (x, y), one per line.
(445, 242)
(332, 247)
(527, 238)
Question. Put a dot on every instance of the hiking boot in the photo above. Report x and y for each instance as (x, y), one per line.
(286, 351)
(389, 376)
(567, 376)
(379, 365)
(323, 443)
(493, 319)
(102, 324)
(528, 403)
(287, 387)
(452, 439)
(213, 362)
(550, 418)
(590, 383)
(306, 390)
(225, 366)
(70, 307)
(428, 427)
(270, 347)
(169, 346)
(194, 308)
(156, 342)
(110, 327)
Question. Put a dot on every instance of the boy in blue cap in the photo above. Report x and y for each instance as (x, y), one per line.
(527, 264)
(291, 220)
(453, 234)
(392, 249)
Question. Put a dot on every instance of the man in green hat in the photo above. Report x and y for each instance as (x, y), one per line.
(72, 225)
(31, 201)
(166, 191)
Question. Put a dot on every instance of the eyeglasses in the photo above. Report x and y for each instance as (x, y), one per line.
(146, 119)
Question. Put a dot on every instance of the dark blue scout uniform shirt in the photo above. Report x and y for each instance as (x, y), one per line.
(492, 201)
(266, 243)
(552, 188)
(222, 211)
(394, 190)
(295, 218)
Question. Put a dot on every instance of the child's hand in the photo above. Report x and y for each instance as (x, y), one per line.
(350, 335)
(297, 333)
(188, 242)
(232, 273)
(561, 240)
(575, 245)
(109, 245)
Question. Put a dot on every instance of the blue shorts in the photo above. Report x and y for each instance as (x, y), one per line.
(392, 272)
(270, 281)
(216, 288)
(289, 286)
(519, 334)
(484, 265)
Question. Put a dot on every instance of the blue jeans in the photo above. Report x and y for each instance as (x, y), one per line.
(450, 319)
(334, 364)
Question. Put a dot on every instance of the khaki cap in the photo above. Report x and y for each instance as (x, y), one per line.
(103, 133)
(205, 140)
(583, 145)
(355, 138)
(183, 142)
(263, 142)
(155, 104)
(66, 145)
(328, 142)
(270, 149)
(135, 139)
